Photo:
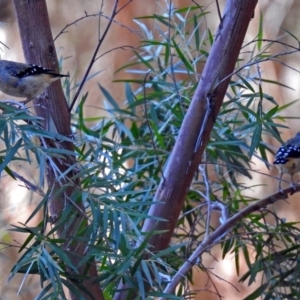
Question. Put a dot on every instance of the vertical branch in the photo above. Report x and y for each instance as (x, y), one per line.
(39, 48)
(197, 125)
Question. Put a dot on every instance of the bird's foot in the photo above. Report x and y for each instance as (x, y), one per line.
(293, 186)
(13, 103)
(280, 190)
(26, 101)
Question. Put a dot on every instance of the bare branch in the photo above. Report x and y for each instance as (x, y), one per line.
(213, 238)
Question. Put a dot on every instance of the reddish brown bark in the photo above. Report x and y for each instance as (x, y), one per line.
(39, 48)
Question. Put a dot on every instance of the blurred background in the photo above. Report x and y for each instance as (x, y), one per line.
(75, 48)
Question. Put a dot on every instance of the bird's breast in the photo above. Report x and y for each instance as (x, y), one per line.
(291, 166)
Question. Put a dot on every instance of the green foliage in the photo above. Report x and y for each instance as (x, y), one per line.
(276, 260)
(120, 164)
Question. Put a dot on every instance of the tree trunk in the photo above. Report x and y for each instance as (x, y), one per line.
(197, 125)
(39, 48)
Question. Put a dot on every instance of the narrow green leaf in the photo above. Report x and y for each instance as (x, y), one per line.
(167, 54)
(227, 245)
(289, 33)
(237, 260)
(109, 97)
(260, 32)
(273, 82)
(167, 251)
(256, 138)
(196, 32)
(246, 83)
(10, 154)
(145, 61)
(210, 37)
(129, 97)
(258, 292)
(81, 118)
(246, 256)
(182, 57)
(140, 282)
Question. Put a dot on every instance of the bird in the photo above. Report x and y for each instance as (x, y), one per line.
(287, 158)
(25, 80)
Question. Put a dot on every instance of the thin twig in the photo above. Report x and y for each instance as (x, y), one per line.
(149, 125)
(172, 75)
(116, 48)
(219, 11)
(213, 237)
(28, 184)
(114, 13)
(122, 7)
(270, 58)
(93, 15)
(74, 23)
(271, 41)
(207, 192)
